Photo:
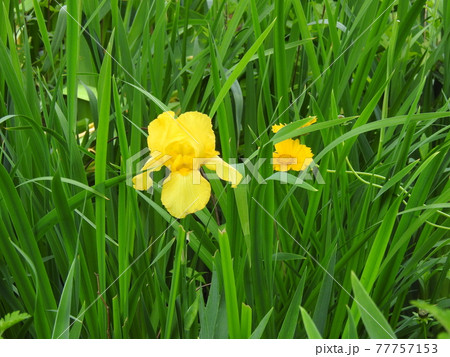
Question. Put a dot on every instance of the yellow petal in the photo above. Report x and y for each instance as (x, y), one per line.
(224, 170)
(304, 157)
(183, 139)
(306, 163)
(276, 128)
(161, 130)
(155, 162)
(312, 121)
(181, 153)
(286, 146)
(282, 163)
(185, 194)
(142, 181)
(198, 129)
(291, 155)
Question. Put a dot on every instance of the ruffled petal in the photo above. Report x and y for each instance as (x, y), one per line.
(181, 154)
(185, 194)
(161, 130)
(198, 129)
(224, 170)
(142, 181)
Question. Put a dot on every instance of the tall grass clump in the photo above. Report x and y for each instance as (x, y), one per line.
(356, 246)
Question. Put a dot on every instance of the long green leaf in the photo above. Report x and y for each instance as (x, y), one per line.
(374, 321)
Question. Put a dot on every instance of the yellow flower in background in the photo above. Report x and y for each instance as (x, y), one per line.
(312, 121)
(290, 154)
(183, 145)
(277, 127)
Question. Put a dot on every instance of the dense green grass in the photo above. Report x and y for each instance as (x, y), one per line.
(342, 255)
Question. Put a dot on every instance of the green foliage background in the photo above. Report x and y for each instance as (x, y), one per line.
(87, 256)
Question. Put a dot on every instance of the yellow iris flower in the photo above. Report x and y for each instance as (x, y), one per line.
(289, 154)
(183, 145)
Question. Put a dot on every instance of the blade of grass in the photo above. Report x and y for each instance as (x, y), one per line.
(291, 319)
(104, 92)
(259, 330)
(238, 69)
(234, 326)
(176, 277)
(374, 321)
(62, 320)
(310, 327)
(72, 48)
(26, 236)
